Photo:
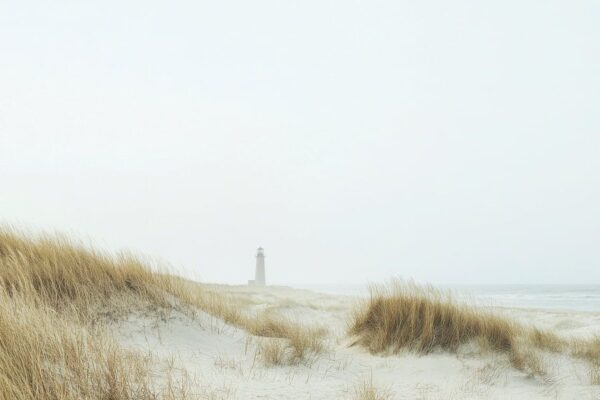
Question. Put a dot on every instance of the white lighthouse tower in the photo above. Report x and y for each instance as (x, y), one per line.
(259, 278)
(259, 275)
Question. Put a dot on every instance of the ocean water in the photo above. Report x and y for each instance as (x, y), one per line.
(550, 297)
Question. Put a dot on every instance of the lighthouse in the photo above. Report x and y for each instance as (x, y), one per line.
(259, 275)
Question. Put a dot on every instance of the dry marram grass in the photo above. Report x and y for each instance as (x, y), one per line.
(368, 391)
(272, 352)
(420, 318)
(595, 374)
(589, 350)
(404, 315)
(55, 296)
(288, 342)
(526, 359)
(301, 341)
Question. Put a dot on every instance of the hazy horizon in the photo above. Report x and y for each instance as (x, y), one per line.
(454, 143)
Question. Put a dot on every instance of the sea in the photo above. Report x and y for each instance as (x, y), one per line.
(584, 298)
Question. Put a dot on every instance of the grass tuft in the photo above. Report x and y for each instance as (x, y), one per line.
(53, 295)
(422, 319)
(367, 391)
(301, 340)
(588, 350)
(527, 360)
(272, 352)
(404, 315)
(595, 374)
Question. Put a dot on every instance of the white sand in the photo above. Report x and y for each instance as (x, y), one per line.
(223, 364)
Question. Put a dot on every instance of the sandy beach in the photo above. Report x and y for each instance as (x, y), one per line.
(223, 362)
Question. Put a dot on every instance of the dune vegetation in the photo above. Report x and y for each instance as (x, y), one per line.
(55, 297)
(405, 316)
(300, 341)
(59, 297)
(368, 391)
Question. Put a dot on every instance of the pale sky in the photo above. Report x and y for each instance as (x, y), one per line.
(445, 141)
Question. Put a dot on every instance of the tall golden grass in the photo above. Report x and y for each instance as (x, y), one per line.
(53, 295)
(56, 294)
(368, 391)
(301, 340)
(403, 315)
(589, 350)
(68, 277)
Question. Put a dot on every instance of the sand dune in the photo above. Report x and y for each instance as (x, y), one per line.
(223, 361)
(77, 323)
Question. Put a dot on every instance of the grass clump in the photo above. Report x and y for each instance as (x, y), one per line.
(404, 315)
(287, 342)
(54, 295)
(422, 319)
(588, 350)
(43, 356)
(368, 391)
(595, 374)
(301, 340)
(57, 272)
(527, 360)
(546, 340)
(272, 352)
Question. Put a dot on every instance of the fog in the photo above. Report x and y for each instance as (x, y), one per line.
(449, 142)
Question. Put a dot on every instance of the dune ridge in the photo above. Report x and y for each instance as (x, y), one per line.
(63, 304)
(56, 294)
(403, 315)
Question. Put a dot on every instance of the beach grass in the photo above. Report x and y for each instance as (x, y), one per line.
(405, 316)
(56, 297)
